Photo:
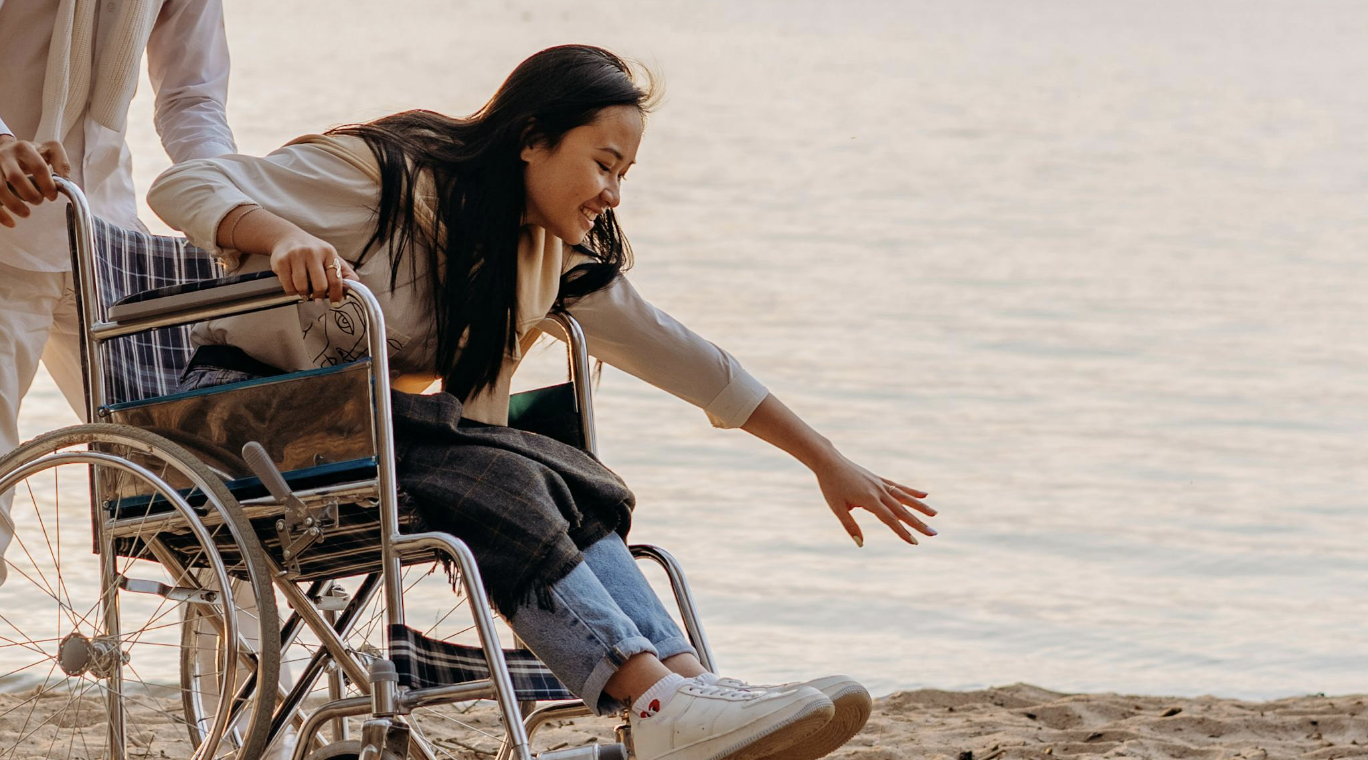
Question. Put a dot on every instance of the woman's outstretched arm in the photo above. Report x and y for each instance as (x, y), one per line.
(634, 336)
(845, 485)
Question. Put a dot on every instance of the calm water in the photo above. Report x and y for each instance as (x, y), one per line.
(1091, 273)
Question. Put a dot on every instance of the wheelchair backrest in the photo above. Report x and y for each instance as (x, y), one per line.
(148, 364)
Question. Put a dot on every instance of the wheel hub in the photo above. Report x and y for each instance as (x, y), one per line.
(100, 657)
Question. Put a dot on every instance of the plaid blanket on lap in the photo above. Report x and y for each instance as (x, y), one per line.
(128, 262)
(525, 504)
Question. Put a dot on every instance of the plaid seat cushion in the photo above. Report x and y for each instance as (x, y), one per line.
(423, 663)
(128, 262)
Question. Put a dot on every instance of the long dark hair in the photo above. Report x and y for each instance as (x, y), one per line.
(476, 174)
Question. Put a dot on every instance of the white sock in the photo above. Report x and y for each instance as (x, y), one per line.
(659, 695)
(707, 679)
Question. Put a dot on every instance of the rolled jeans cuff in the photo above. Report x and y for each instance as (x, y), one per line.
(592, 692)
(674, 645)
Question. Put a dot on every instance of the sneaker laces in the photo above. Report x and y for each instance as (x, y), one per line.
(718, 690)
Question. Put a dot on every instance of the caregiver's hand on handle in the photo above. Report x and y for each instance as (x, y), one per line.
(26, 170)
(305, 264)
(846, 486)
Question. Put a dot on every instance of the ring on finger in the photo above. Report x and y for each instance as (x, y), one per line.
(336, 265)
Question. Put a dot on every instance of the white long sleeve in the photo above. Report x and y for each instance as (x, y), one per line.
(626, 331)
(331, 198)
(321, 193)
(188, 64)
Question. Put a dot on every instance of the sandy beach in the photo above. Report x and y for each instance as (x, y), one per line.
(1005, 723)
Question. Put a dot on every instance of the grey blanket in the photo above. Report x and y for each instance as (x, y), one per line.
(526, 504)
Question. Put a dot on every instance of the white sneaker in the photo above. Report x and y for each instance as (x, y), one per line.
(853, 706)
(721, 723)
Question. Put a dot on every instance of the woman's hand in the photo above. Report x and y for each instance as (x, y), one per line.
(848, 486)
(845, 485)
(310, 267)
(306, 265)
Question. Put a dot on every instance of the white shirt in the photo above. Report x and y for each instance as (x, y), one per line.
(187, 58)
(329, 187)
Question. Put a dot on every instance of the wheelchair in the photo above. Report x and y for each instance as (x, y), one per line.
(206, 509)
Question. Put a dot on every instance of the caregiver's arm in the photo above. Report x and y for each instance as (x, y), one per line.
(629, 333)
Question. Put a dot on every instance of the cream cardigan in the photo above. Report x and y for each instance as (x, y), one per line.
(329, 186)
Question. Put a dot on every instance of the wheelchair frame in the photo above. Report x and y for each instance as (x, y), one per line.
(382, 699)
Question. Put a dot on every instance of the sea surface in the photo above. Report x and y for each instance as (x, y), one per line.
(1091, 273)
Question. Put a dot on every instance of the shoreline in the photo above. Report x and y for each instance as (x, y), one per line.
(1013, 722)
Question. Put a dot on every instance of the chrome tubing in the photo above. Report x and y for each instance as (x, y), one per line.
(288, 706)
(580, 374)
(558, 711)
(333, 710)
(81, 234)
(505, 695)
(383, 432)
(440, 695)
(683, 597)
(327, 635)
(109, 593)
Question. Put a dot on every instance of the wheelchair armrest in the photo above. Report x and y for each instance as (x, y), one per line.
(174, 299)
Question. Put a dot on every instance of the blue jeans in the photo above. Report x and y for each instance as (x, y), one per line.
(605, 612)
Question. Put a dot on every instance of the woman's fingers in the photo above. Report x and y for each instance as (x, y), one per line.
(335, 275)
(889, 516)
(905, 515)
(5, 219)
(915, 492)
(852, 528)
(908, 499)
(318, 278)
(912, 497)
(306, 271)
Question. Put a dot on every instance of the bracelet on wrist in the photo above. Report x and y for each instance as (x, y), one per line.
(232, 231)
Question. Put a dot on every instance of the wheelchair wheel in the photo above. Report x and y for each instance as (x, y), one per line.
(118, 535)
(444, 731)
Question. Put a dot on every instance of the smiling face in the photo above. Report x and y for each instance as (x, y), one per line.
(570, 185)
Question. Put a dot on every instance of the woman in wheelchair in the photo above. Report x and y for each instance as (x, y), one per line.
(469, 231)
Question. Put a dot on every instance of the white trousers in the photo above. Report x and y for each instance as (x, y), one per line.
(38, 322)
